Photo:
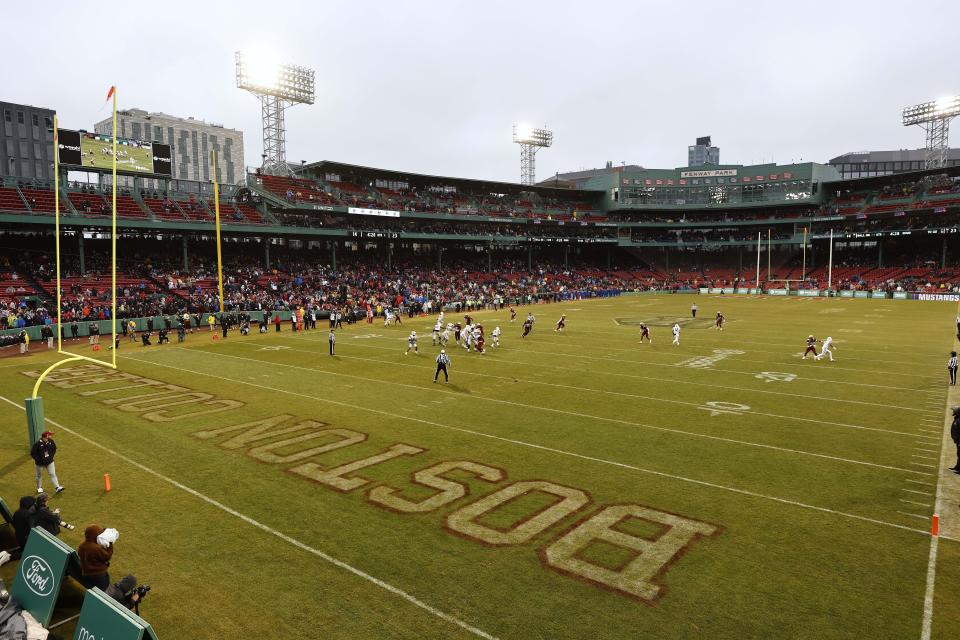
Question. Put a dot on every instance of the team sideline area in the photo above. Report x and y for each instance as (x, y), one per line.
(574, 483)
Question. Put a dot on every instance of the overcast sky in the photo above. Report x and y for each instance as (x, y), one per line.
(434, 87)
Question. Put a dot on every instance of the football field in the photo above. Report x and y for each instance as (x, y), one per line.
(565, 485)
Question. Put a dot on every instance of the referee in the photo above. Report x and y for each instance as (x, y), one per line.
(952, 365)
(443, 361)
(332, 339)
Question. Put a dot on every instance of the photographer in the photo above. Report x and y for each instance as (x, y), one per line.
(95, 553)
(127, 592)
(48, 519)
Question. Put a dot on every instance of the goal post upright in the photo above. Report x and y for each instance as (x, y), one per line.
(34, 404)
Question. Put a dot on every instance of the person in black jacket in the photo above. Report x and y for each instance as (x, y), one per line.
(955, 435)
(48, 519)
(43, 452)
(23, 522)
(46, 332)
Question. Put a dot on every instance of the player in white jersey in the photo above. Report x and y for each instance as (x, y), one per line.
(496, 336)
(445, 336)
(412, 343)
(676, 334)
(466, 336)
(477, 335)
(436, 332)
(387, 316)
(825, 348)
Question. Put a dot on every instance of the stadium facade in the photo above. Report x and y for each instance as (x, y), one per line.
(870, 164)
(191, 141)
(26, 141)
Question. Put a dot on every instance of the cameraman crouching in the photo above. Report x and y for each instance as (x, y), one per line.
(127, 592)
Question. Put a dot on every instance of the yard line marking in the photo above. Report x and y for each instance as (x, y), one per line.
(913, 515)
(727, 340)
(923, 482)
(580, 456)
(553, 384)
(927, 450)
(923, 493)
(673, 367)
(639, 377)
(594, 417)
(922, 504)
(915, 455)
(293, 541)
(699, 342)
(920, 464)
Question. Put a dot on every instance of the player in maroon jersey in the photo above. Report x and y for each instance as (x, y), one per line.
(456, 332)
(561, 323)
(645, 333)
(811, 347)
(720, 320)
(527, 325)
(513, 316)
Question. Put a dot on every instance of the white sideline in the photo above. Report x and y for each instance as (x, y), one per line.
(580, 456)
(587, 415)
(290, 540)
(927, 625)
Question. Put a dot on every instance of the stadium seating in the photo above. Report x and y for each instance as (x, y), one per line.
(10, 200)
(169, 212)
(43, 200)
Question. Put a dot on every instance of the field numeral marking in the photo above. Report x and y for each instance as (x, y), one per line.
(775, 376)
(718, 407)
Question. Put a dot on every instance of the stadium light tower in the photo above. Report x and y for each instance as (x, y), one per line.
(935, 119)
(278, 86)
(530, 140)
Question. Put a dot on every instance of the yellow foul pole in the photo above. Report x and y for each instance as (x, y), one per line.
(56, 209)
(216, 209)
(113, 234)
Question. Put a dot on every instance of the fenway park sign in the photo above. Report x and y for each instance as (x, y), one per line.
(709, 173)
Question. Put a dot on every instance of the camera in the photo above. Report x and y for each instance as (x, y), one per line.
(141, 591)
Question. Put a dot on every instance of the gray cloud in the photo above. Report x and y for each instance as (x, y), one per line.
(434, 87)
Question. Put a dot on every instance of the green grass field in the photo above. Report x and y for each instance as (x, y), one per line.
(595, 488)
(98, 153)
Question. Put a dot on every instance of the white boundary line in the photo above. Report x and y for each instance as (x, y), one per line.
(288, 539)
(927, 625)
(580, 456)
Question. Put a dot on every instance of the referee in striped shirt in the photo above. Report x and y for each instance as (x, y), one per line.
(952, 365)
(443, 361)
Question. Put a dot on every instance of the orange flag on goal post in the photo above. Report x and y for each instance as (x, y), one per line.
(110, 93)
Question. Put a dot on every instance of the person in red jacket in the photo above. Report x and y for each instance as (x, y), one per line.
(94, 559)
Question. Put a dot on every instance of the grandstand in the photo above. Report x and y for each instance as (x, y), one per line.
(678, 228)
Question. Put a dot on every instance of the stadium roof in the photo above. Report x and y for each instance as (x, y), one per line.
(586, 174)
(350, 172)
(898, 155)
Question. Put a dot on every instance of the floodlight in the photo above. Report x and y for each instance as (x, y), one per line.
(934, 117)
(530, 140)
(278, 86)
